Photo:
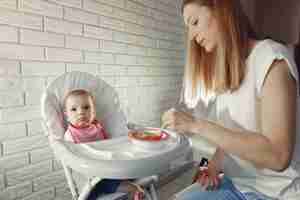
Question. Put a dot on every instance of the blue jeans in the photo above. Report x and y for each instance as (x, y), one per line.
(105, 186)
(226, 191)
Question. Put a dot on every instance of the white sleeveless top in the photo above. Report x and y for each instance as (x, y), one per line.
(239, 110)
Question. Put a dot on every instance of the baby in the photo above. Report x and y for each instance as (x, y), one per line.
(79, 108)
(80, 111)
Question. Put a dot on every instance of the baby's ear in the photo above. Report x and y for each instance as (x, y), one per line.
(65, 114)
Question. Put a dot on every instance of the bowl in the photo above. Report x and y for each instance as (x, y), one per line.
(148, 138)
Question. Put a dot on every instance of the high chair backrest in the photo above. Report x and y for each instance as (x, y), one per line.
(106, 99)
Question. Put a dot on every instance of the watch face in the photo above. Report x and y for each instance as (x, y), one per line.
(148, 135)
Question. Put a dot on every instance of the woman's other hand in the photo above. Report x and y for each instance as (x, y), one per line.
(179, 121)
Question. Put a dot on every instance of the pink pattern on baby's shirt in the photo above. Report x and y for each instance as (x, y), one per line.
(91, 133)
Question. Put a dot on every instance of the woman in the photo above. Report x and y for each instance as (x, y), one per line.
(253, 87)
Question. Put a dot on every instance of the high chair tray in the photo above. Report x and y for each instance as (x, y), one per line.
(121, 158)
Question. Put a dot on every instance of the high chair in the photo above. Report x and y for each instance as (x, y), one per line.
(86, 164)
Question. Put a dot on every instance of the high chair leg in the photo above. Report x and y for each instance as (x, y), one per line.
(153, 192)
(70, 181)
(147, 195)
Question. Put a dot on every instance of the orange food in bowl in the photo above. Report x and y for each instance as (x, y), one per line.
(148, 135)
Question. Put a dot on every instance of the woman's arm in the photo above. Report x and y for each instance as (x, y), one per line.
(272, 147)
(218, 159)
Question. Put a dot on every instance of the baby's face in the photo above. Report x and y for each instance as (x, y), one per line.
(80, 110)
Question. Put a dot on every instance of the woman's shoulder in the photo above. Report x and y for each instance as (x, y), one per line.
(270, 47)
(266, 52)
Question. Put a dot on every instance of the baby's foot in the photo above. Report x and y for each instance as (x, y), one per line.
(138, 195)
(136, 192)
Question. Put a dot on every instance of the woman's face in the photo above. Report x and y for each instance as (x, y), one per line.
(202, 26)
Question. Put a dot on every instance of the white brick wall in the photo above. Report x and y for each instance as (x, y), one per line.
(2, 185)
(32, 97)
(46, 194)
(77, 15)
(9, 68)
(98, 32)
(16, 51)
(125, 15)
(41, 154)
(90, 68)
(34, 127)
(41, 38)
(8, 34)
(57, 165)
(117, 3)
(13, 161)
(134, 45)
(12, 131)
(62, 192)
(111, 23)
(113, 47)
(126, 60)
(16, 191)
(82, 43)
(17, 114)
(145, 41)
(136, 50)
(71, 3)
(8, 4)
(124, 37)
(67, 55)
(11, 98)
(97, 7)
(20, 19)
(23, 144)
(135, 7)
(48, 180)
(28, 173)
(42, 68)
(41, 7)
(62, 26)
(99, 58)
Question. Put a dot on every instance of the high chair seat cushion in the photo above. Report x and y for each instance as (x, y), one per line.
(107, 103)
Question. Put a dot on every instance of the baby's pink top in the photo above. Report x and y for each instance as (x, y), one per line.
(91, 133)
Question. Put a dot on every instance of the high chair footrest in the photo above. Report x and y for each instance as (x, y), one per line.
(146, 181)
(114, 196)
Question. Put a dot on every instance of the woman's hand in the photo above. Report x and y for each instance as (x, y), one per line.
(179, 121)
(209, 177)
